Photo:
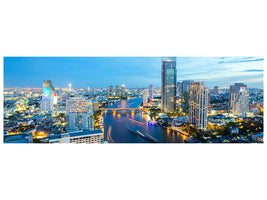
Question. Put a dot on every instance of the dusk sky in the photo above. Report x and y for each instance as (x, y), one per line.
(97, 72)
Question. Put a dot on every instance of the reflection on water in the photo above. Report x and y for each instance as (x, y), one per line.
(116, 128)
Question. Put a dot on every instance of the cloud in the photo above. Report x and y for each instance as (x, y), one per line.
(239, 59)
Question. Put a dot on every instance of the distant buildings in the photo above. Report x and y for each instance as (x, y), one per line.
(79, 114)
(198, 105)
(117, 91)
(145, 97)
(123, 91)
(110, 91)
(151, 92)
(215, 89)
(168, 80)
(239, 99)
(185, 91)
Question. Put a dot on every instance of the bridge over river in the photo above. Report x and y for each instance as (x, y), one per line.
(131, 104)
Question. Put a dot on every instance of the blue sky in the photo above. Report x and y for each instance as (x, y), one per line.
(132, 71)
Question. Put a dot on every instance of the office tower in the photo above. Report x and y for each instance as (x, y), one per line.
(79, 114)
(110, 91)
(178, 89)
(123, 91)
(168, 80)
(48, 88)
(69, 86)
(144, 97)
(198, 105)
(185, 93)
(117, 91)
(215, 89)
(239, 99)
(151, 92)
(47, 103)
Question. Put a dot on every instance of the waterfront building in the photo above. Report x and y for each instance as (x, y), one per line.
(198, 105)
(151, 92)
(239, 99)
(168, 80)
(110, 91)
(117, 91)
(145, 98)
(79, 114)
(185, 93)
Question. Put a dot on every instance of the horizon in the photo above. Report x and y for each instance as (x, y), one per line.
(134, 72)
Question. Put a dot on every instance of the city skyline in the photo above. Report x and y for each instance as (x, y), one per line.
(101, 72)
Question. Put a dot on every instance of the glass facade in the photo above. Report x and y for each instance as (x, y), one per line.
(168, 79)
(47, 91)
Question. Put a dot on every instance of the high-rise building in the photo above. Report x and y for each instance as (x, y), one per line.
(117, 91)
(123, 91)
(110, 91)
(168, 80)
(79, 114)
(48, 88)
(151, 92)
(216, 90)
(185, 93)
(178, 89)
(198, 105)
(144, 97)
(239, 99)
(47, 103)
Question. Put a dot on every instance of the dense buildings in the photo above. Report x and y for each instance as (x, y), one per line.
(215, 89)
(168, 80)
(239, 99)
(79, 114)
(198, 105)
(151, 92)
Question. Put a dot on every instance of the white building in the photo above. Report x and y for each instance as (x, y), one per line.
(145, 97)
(151, 92)
(198, 105)
(79, 114)
(79, 137)
(47, 104)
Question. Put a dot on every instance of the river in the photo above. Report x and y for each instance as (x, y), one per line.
(116, 126)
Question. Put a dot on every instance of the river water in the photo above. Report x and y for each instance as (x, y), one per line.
(116, 126)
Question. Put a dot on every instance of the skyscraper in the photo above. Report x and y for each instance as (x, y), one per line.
(238, 99)
(168, 80)
(198, 105)
(185, 93)
(110, 91)
(117, 91)
(144, 97)
(48, 100)
(79, 114)
(151, 92)
(123, 91)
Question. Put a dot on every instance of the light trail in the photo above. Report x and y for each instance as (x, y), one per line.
(136, 121)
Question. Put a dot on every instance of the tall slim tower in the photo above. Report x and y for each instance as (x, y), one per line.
(69, 86)
(168, 80)
(144, 97)
(198, 105)
(151, 92)
(185, 93)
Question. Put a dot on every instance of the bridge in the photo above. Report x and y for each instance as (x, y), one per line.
(131, 104)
